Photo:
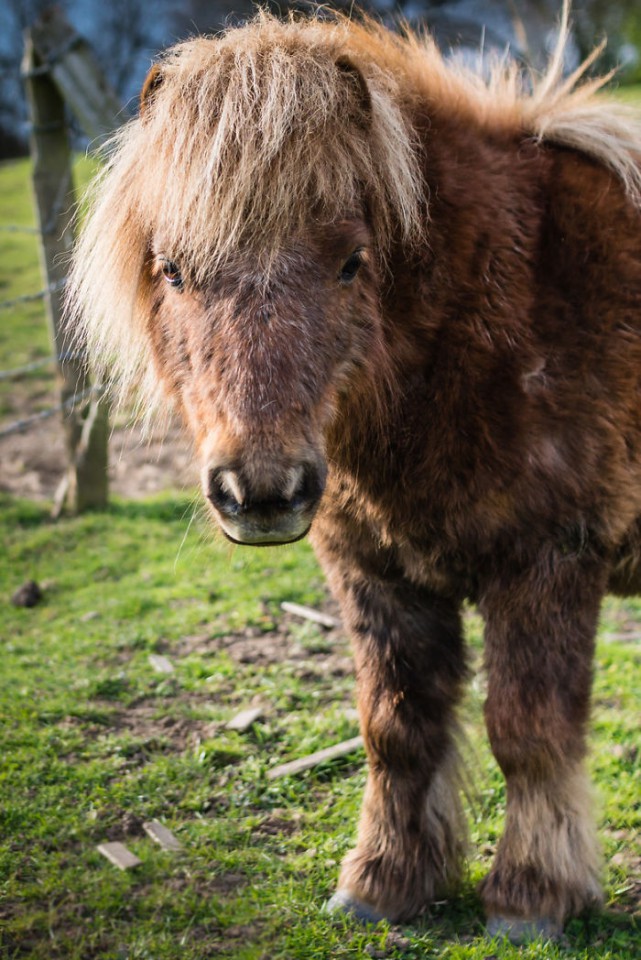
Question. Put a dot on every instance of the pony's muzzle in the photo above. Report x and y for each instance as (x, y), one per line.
(265, 510)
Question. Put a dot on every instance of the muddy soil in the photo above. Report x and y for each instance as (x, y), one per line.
(32, 464)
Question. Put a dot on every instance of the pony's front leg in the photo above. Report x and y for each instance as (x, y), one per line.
(410, 669)
(540, 627)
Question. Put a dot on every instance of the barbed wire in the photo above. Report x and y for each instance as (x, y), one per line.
(18, 372)
(29, 297)
(15, 373)
(60, 201)
(20, 426)
(17, 228)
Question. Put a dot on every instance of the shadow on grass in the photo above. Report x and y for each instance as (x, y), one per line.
(168, 508)
(165, 507)
(611, 929)
(461, 919)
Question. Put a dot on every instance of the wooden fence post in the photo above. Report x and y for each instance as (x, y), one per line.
(80, 81)
(86, 427)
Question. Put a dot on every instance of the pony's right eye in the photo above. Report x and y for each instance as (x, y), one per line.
(171, 273)
(351, 267)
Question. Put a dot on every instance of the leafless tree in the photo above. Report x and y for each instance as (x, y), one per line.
(15, 17)
(127, 33)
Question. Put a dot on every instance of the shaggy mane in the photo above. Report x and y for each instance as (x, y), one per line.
(250, 135)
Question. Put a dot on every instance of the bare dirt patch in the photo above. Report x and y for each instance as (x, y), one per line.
(167, 724)
(33, 463)
(159, 731)
(325, 653)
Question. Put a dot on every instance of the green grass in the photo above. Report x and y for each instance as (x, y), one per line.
(630, 93)
(93, 741)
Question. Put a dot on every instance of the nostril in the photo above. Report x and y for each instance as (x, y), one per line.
(309, 486)
(232, 486)
(225, 491)
(295, 484)
(305, 487)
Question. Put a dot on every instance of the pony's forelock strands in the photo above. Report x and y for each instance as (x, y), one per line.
(249, 136)
(244, 139)
(276, 129)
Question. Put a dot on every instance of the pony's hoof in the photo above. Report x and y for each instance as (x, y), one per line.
(524, 931)
(345, 902)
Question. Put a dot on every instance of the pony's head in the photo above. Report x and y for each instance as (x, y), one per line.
(234, 251)
(258, 356)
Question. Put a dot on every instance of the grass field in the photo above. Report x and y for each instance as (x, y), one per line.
(94, 742)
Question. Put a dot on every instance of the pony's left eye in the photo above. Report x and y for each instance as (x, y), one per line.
(171, 273)
(351, 267)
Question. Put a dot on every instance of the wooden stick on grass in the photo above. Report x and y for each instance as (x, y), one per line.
(314, 759)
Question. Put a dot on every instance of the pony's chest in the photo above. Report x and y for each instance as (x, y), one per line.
(437, 539)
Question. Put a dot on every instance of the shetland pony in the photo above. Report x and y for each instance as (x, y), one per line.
(398, 307)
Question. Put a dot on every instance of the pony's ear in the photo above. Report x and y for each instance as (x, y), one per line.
(359, 85)
(149, 88)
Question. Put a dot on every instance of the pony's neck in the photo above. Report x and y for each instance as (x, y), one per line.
(445, 305)
(486, 196)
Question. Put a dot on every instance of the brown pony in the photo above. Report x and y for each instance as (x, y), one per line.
(399, 307)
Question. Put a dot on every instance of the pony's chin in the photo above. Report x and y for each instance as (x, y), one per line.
(267, 539)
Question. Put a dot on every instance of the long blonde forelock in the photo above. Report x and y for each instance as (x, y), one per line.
(250, 136)
(252, 139)
(245, 140)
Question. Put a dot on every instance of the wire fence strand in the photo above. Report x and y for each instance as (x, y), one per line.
(20, 426)
(61, 200)
(29, 297)
(18, 228)
(15, 373)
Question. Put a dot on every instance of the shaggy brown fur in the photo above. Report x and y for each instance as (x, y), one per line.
(405, 305)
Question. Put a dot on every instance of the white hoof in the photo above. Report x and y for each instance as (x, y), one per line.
(345, 902)
(524, 931)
